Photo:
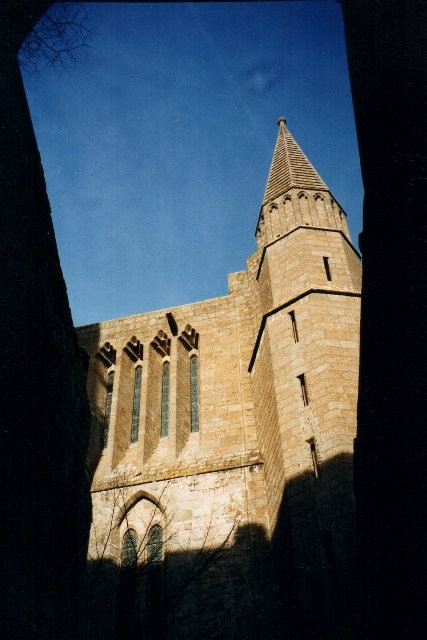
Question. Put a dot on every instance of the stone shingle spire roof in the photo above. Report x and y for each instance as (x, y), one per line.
(290, 167)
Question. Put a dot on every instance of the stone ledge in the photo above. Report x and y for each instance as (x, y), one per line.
(313, 290)
(125, 478)
(305, 227)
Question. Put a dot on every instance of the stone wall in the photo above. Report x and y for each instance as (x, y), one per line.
(212, 559)
(270, 463)
(277, 396)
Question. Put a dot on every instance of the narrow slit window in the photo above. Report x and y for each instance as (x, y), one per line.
(107, 412)
(136, 402)
(130, 549)
(164, 418)
(194, 394)
(294, 325)
(303, 385)
(155, 545)
(327, 268)
(312, 444)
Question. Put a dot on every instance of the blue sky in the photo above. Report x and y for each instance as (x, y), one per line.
(156, 148)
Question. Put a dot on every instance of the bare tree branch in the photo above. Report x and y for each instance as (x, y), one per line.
(207, 556)
(57, 38)
(113, 582)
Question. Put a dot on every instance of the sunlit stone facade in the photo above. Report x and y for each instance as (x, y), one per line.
(233, 481)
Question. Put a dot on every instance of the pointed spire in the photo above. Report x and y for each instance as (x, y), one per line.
(289, 167)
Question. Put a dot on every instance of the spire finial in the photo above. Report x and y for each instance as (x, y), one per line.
(280, 120)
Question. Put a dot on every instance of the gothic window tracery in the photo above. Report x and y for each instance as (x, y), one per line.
(134, 349)
(189, 338)
(162, 344)
(107, 355)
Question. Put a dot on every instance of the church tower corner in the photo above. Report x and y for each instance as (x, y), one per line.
(304, 372)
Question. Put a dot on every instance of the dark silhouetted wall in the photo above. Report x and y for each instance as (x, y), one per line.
(44, 423)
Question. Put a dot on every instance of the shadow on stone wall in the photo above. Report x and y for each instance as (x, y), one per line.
(300, 586)
(215, 593)
(313, 553)
(97, 413)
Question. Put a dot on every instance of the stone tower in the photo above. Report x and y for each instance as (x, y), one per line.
(304, 371)
(222, 438)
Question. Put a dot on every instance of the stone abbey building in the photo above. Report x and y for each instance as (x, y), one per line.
(222, 439)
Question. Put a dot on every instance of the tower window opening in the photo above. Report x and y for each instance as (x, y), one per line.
(107, 411)
(294, 325)
(194, 394)
(314, 458)
(327, 268)
(136, 402)
(155, 545)
(164, 417)
(304, 393)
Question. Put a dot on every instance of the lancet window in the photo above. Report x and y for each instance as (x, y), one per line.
(130, 548)
(155, 545)
(189, 338)
(194, 393)
(164, 416)
(107, 355)
(107, 411)
(136, 402)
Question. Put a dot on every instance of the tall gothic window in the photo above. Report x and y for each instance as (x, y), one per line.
(155, 545)
(107, 412)
(136, 402)
(130, 549)
(164, 418)
(194, 393)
